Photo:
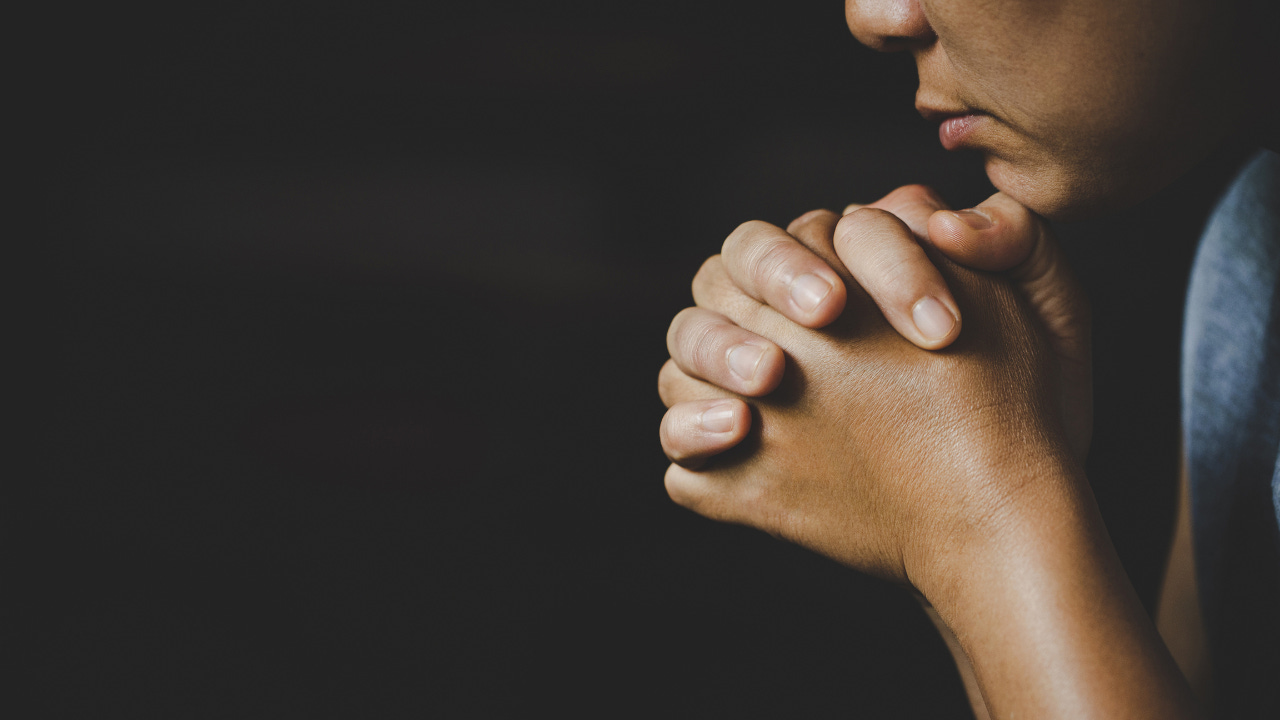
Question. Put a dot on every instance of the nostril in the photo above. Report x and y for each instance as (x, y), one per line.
(900, 43)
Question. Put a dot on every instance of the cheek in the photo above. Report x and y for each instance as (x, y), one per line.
(1059, 72)
(1097, 104)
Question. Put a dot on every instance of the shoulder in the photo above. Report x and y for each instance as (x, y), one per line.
(1238, 259)
(1251, 203)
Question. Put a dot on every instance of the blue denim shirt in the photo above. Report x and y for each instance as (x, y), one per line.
(1231, 435)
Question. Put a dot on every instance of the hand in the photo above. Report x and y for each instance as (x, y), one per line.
(792, 272)
(872, 451)
(957, 471)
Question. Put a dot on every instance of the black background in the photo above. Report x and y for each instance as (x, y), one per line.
(358, 312)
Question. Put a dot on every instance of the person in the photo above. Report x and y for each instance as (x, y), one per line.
(907, 389)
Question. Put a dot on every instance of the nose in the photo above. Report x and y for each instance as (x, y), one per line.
(888, 25)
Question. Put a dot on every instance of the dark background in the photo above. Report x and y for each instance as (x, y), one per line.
(358, 312)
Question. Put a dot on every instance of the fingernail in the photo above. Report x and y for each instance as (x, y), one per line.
(717, 418)
(973, 219)
(932, 318)
(743, 360)
(808, 291)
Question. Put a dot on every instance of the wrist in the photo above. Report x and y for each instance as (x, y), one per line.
(1038, 503)
(1043, 609)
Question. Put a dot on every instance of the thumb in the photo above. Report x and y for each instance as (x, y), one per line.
(994, 236)
(1001, 235)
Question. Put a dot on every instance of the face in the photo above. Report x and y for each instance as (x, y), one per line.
(1079, 106)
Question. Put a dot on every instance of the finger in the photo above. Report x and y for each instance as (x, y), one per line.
(714, 290)
(707, 494)
(815, 230)
(1002, 235)
(772, 267)
(882, 254)
(913, 204)
(691, 432)
(674, 386)
(706, 345)
(995, 236)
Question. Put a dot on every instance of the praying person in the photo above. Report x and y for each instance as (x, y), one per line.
(906, 388)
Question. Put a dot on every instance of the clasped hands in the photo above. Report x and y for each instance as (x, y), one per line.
(881, 386)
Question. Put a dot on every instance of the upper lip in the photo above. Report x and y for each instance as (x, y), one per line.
(933, 114)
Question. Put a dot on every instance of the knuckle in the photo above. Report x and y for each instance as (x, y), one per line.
(679, 491)
(896, 276)
(810, 217)
(710, 268)
(699, 345)
(770, 261)
(667, 378)
(709, 504)
(858, 226)
(675, 331)
(744, 234)
(888, 264)
(916, 193)
(682, 321)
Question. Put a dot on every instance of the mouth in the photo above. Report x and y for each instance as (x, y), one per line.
(954, 131)
(955, 126)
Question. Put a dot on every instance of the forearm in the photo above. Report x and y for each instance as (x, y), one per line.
(1049, 619)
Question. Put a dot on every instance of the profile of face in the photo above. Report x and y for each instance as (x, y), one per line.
(1079, 106)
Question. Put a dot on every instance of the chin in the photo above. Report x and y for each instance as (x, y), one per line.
(1087, 185)
(1056, 192)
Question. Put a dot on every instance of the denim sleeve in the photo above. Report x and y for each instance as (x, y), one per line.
(1231, 435)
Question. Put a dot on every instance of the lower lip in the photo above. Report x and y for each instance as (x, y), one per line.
(954, 131)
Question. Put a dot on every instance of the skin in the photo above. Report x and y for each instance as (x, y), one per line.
(960, 473)
(1010, 237)
(1087, 105)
